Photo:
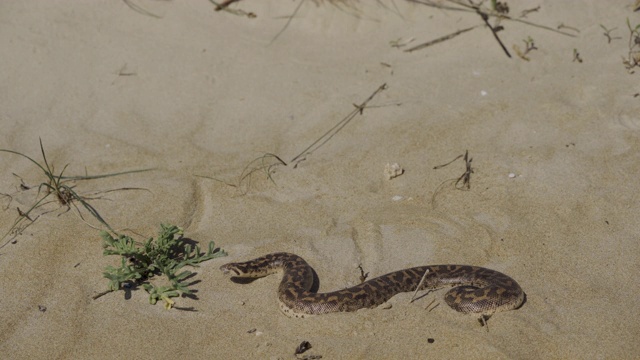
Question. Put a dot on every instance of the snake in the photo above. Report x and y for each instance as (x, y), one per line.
(476, 290)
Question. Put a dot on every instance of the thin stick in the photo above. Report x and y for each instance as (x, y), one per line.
(336, 128)
(139, 9)
(485, 18)
(419, 284)
(96, 296)
(295, 12)
(483, 321)
(443, 165)
(429, 306)
(440, 39)
(224, 4)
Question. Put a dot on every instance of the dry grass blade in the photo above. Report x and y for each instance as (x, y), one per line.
(424, 277)
(463, 182)
(265, 163)
(440, 39)
(295, 12)
(139, 9)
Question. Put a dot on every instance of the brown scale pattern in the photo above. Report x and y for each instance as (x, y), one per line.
(476, 290)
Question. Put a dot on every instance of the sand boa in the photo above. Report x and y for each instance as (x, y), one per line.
(477, 290)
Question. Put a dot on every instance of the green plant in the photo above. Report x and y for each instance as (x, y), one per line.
(62, 188)
(164, 256)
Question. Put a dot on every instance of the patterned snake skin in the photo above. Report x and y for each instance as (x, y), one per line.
(478, 290)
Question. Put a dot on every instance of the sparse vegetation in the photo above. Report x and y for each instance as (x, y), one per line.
(497, 11)
(268, 161)
(162, 257)
(576, 56)
(633, 57)
(63, 190)
(529, 46)
(607, 34)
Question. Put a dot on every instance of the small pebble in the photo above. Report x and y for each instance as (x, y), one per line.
(397, 198)
(393, 170)
(512, 175)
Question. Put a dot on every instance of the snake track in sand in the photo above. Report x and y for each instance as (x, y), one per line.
(477, 290)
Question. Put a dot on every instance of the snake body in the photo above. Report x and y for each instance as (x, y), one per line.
(476, 290)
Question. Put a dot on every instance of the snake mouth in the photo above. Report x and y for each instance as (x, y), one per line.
(226, 270)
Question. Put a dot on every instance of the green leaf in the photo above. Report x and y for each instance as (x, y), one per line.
(183, 275)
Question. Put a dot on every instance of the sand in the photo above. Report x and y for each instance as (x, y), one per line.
(553, 198)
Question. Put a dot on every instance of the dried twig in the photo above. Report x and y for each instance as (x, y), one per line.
(466, 177)
(429, 308)
(336, 128)
(137, 8)
(563, 26)
(363, 275)
(607, 34)
(224, 6)
(526, 12)
(576, 56)
(494, 30)
(424, 277)
(500, 12)
(440, 39)
(295, 12)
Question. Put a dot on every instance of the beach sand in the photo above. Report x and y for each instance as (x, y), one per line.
(198, 95)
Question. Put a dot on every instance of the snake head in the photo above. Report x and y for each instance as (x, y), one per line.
(229, 268)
